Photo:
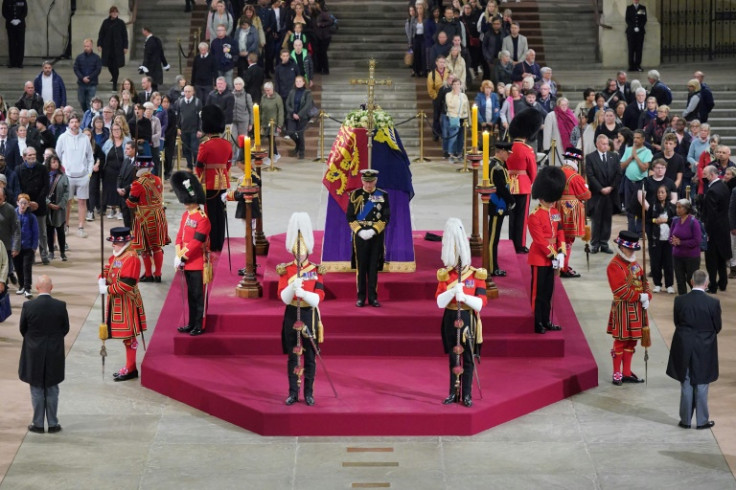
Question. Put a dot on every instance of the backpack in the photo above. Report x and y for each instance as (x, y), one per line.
(668, 98)
(703, 234)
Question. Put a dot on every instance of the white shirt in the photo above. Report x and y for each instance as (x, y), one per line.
(47, 88)
(22, 145)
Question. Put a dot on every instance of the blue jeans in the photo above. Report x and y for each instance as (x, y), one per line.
(452, 137)
(85, 94)
(45, 401)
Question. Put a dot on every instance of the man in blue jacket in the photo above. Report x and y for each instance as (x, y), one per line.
(87, 68)
(50, 85)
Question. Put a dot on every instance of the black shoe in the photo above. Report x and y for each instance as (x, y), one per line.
(360, 303)
(145, 278)
(595, 250)
(539, 328)
(54, 429)
(293, 153)
(683, 426)
(569, 273)
(617, 382)
(37, 430)
(375, 303)
(156, 278)
(309, 400)
(467, 401)
(292, 399)
(632, 379)
(450, 399)
(606, 250)
(185, 329)
(499, 273)
(45, 261)
(13, 279)
(712, 291)
(125, 377)
(196, 331)
(63, 258)
(522, 250)
(707, 425)
(552, 326)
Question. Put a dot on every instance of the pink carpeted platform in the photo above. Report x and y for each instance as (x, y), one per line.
(387, 363)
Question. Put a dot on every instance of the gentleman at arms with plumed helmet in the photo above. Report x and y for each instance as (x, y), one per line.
(547, 253)
(631, 296)
(301, 288)
(213, 169)
(522, 167)
(368, 214)
(461, 292)
(125, 316)
(150, 228)
(572, 205)
(192, 241)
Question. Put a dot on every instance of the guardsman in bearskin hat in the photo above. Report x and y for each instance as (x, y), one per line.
(631, 295)
(501, 202)
(125, 316)
(522, 167)
(192, 253)
(213, 169)
(572, 205)
(461, 292)
(150, 228)
(301, 288)
(368, 214)
(547, 253)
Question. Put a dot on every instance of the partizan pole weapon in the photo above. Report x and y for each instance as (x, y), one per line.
(646, 339)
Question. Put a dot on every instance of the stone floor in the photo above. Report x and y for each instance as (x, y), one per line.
(122, 436)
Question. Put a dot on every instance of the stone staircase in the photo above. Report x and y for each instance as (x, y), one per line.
(170, 23)
(568, 33)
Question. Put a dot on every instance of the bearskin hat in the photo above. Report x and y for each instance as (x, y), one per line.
(526, 124)
(187, 188)
(549, 184)
(213, 119)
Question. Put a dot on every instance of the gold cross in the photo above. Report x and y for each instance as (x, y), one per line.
(371, 106)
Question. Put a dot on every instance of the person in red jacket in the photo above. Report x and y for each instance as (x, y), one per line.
(126, 318)
(522, 167)
(572, 205)
(214, 160)
(467, 294)
(192, 253)
(631, 296)
(150, 228)
(547, 253)
(301, 288)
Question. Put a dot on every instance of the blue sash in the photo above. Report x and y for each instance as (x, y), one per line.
(368, 206)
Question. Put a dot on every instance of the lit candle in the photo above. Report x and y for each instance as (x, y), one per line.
(257, 126)
(486, 145)
(474, 126)
(246, 148)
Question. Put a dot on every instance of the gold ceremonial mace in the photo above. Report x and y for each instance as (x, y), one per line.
(370, 106)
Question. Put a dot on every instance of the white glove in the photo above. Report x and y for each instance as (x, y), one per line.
(460, 297)
(371, 233)
(224, 197)
(143, 69)
(15, 22)
(299, 292)
(177, 262)
(167, 67)
(297, 283)
(555, 264)
(644, 300)
(561, 259)
(458, 288)
(102, 285)
(364, 234)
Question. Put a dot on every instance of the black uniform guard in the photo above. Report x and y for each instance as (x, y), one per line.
(368, 214)
(636, 19)
(502, 201)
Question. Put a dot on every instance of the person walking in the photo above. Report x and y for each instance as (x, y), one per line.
(44, 322)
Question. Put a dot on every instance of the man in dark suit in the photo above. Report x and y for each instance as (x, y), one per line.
(154, 60)
(715, 219)
(634, 110)
(275, 28)
(603, 174)
(253, 78)
(636, 19)
(126, 178)
(44, 322)
(694, 353)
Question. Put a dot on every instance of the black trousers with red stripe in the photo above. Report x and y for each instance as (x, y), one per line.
(543, 285)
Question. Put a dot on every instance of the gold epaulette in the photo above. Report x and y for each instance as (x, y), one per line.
(281, 268)
(443, 275)
(321, 269)
(481, 274)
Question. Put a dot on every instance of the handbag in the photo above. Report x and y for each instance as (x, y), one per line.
(313, 112)
(5, 310)
(454, 122)
(409, 58)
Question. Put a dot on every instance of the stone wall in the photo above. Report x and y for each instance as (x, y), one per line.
(614, 49)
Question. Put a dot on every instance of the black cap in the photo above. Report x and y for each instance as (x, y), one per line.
(120, 234)
(503, 145)
(368, 174)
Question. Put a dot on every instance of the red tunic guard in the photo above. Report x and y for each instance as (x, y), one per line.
(150, 228)
(522, 167)
(548, 241)
(573, 212)
(192, 239)
(213, 171)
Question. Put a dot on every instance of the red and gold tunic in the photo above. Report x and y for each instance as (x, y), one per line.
(627, 282)
(150, 229)
(571, 203)
(522, 167)
(192, 240)
(312, 281)
(548, 239)
(213, 164)
(474, 284)
(125, 315)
